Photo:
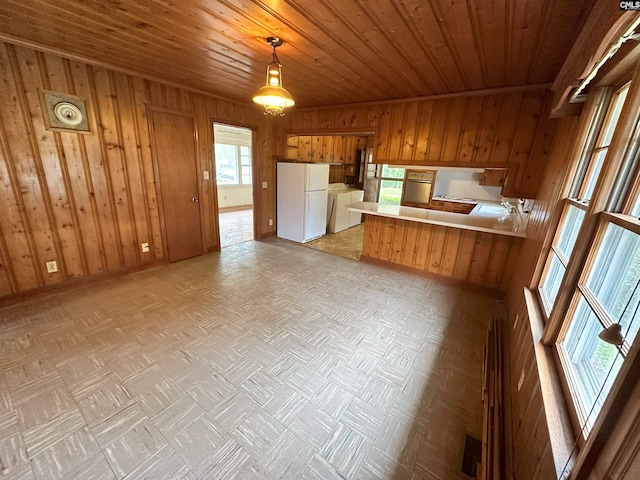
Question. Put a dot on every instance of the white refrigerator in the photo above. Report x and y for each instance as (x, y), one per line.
(302, 200)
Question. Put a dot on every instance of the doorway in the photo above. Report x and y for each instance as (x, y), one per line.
(233, 151)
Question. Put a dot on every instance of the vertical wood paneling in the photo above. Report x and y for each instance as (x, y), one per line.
(87, 201)
(474, 258)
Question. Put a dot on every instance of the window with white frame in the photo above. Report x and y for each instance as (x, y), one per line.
(575, 206)
(233, 164)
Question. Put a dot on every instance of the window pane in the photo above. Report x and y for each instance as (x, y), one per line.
(392, 172)
(615, 274)
(569, 230)
(635, 209)
(613, 118)
(594, 172)
(245, 160)
(246, 174)
(244, 151)
(390, 192)
(226, 164)
(588, 361)
(552, 281)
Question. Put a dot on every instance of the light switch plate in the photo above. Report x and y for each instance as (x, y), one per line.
(206, 174)
(264, 184)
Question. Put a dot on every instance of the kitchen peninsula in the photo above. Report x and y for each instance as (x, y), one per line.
(477, 250)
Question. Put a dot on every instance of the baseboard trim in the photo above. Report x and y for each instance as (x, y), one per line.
(27, 295)
(492, 292)
(235, 208)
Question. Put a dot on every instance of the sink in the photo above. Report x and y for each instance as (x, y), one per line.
(492, 210)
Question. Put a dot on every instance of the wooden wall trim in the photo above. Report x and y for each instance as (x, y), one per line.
(441, 96)
(558, 423)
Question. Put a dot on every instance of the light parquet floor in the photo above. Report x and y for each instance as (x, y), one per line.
(235, 227)
(266, 361)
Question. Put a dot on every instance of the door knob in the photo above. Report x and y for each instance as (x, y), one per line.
(194, 199)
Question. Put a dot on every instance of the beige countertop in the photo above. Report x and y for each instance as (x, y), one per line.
(485, 217)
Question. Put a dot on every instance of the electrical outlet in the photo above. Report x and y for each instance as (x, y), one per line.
(52, 267)
(264, 184)
(145, 247)
(271, 222)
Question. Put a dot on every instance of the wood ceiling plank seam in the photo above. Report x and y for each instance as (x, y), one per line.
(301, 71)
(403, 10)
(88, 32)
(344, 46)
(558, 35)
(82, 89)
(508, 45)
(397, 23)
(303, 75)
(490, 18)
(49, 76)
(540, 33)
(447, 29)
(525, 20)
(35, 156)
(292, 27)
(477, 38)
(401, 70)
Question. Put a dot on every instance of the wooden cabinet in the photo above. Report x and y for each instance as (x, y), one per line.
(493, 177)
(455, 207)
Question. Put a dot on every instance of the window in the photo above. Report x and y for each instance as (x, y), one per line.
(233, 164)
(575, 206)
(391, 182)
(606, 294)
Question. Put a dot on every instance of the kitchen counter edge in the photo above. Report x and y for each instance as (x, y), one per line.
(489, 224)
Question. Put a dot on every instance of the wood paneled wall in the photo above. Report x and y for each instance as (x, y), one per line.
(531, 444)
(87, 201)
(483, 260)
(501, 130)
(325, 148)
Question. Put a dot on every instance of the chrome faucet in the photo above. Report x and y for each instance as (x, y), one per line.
(508, 206)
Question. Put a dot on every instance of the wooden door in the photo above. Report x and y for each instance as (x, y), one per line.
(175, 152)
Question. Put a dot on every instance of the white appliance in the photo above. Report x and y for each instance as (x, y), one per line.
(302, 200)
(338, 217)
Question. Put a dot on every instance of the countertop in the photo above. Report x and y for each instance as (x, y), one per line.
(485, 217)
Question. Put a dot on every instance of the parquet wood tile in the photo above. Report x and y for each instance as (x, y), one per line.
(244, 364)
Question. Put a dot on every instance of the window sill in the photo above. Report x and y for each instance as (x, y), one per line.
(562, 439)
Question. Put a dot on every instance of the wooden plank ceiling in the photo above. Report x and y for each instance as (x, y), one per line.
(335, 51)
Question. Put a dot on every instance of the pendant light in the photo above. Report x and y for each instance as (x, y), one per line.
(273, 95)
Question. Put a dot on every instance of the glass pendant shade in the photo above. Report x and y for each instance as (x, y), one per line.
(273, 96)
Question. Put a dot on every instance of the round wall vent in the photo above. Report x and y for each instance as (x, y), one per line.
(68, 113)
